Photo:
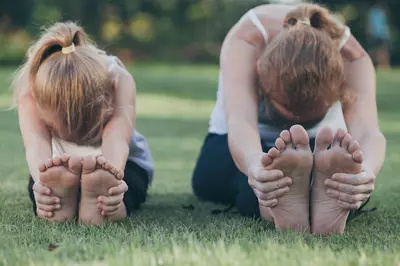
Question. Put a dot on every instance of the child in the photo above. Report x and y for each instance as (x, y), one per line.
(76, 108)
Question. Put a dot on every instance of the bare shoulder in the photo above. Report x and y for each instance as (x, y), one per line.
(352, 50)
(271, 17)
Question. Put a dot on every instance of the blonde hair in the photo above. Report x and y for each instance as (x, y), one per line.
(304, 62)
(75, 86)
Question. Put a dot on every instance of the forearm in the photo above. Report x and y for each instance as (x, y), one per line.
(115, 149)
(37, 153)
(362, 114)
(373, 146)
(244, 144)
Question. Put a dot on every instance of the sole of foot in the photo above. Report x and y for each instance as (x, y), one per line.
(62, 176)
(293, 157)
(337, 153)
(98, 176)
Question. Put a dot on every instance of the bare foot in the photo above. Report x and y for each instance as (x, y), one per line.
(293, 157)
(98, 176)
(62, 175)
(342, 157)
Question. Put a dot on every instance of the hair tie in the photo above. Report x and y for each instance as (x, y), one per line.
(69, 49)
(304, 21)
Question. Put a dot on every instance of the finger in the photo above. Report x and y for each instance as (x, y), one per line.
(350, 189)
(354, 179)
(349, 206)
(271, 195)
(112, 200)
(346, 197)
(108, 209)
(274, 185)
(108, 214)
(44, 214)
(48, 208)
(40, 189)
(261, 175)
(121, 188)
(268, 203)
(46, 200)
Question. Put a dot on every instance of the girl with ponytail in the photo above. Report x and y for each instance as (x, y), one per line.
(76, 108)
(289, 139)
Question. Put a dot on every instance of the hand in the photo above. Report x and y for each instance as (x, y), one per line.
(268, 185)
(45, 203)
(351, 190)
(110, 205)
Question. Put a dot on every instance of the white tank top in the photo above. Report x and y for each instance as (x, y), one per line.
(269, 132)
(139, 151)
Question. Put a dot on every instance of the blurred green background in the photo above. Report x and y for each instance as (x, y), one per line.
(158, 30)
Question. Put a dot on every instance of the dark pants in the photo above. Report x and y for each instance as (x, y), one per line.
(217, 179)
(134, 176)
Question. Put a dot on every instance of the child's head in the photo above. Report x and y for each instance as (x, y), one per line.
(69, 81)
(301, 70)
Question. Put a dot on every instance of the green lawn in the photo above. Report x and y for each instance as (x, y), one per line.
(174, 104)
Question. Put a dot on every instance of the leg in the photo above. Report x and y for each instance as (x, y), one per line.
(213, 176)
(217, 179)
(342, 157)
(62, 175)
(98, 176)
(293, 157)
(138, 182)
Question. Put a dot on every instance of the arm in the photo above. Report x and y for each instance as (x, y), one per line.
(361, 115)
(118, 131)
(238, 68)
(35, 134)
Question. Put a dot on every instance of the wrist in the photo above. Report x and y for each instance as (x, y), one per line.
(252, 159)
(117, 155)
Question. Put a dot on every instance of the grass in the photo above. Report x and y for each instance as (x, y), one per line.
(173, 109)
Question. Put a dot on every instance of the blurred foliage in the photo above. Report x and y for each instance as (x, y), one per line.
(173, 30)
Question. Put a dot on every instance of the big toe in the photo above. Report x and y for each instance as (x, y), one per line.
(324, 138)
(89, 164)
(300, 137)
(75, 164)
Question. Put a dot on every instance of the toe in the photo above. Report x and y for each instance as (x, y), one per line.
(266, 159)
(57, 161)
(108, 166)
(324, 138)
(354, 145)
(300, 137)
(358, 156)
(280, 144)
(89, 164)
(339, 136)
(273, 153)
(347, 141)
(49, 163)
(285, 135)
(42, 167)
(120, 175)
(75, 164)
(101, 161)
(65, 158)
